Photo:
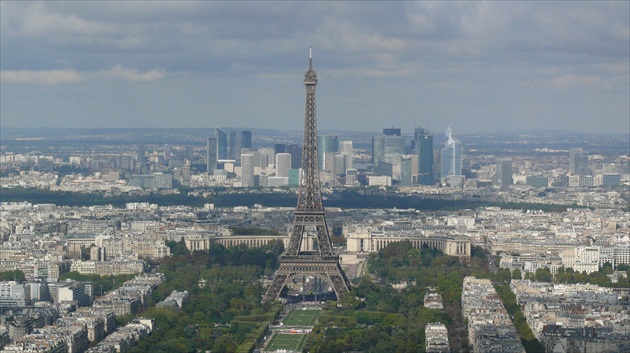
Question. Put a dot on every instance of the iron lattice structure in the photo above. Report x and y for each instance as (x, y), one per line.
(309, 216)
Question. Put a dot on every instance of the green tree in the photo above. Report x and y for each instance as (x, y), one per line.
(15, 275)
(543, 274)
(516, 274)
(607, 268)
(503, 275)
(178, 248)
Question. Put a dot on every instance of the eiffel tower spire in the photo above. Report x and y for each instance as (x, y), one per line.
(309, 216)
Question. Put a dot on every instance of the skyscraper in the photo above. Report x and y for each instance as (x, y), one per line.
(294, 177)
(247, 170)
(167, 153)
(391, 132)
(141, 159)
(345, 148)
(234, 151)
(504, 172)
(424, 151)
(211, 155)
(190, 153)
(578, 161)
(406, 172)
(340, 164)
(451, 156)
(325, 143)
(329, 162)
(222, 143)
(279, 148)
(388, 148)
(296, 155)
(351, 177)
(283, 164)
(246, 139)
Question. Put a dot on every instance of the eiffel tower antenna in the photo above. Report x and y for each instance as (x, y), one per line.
(310, 58)
(309, 217)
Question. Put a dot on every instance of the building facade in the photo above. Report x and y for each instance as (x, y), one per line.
(326, 144)
(211, 155)
(424, 151)
(451, 157)
(247, 170)
(222, 143)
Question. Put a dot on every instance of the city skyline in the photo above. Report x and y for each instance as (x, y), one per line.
(480, 66)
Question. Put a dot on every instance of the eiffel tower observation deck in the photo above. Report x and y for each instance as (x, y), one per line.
(299, 259)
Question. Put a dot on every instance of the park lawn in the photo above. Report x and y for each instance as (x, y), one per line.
(301, 317)
(288, 341)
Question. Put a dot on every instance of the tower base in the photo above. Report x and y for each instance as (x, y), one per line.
(326, 268)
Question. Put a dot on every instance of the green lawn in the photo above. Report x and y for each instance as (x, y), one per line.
(299, 317)
(287, 341)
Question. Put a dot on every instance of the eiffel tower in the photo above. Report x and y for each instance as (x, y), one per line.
(309, 216)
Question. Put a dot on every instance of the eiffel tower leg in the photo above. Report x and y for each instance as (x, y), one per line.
(273, 292)
(338, 281)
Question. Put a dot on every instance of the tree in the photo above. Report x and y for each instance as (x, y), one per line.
(178, 248)
(562, 276)
(350, 301)
(570, 275)
(15, 275)
(478, 252)
(516, 274)
(543, 274)
(607, 268)
(503, 275)
(530, 276)
(224, 344)
(581, 277)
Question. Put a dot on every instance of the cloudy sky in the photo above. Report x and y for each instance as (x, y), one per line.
(480, 66)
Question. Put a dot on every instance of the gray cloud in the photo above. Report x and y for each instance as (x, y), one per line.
(387, 62)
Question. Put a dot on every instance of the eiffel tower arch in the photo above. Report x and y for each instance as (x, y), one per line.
(309, 217)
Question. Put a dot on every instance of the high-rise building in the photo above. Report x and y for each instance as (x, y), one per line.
(391, 132)
(326, 143)
(329, 162)
(504, 172)
(247, 170)
(296, 155)
(167, 153)
(578, 162)
(283, 164)
(234, 152)
(267, 157)
(222, 143)
(211, 155)
(345, 148)
(351, 177)
(246, 139)
(294, 177)
(573, 153)
(388, 148)
(424, 151)
(190, 153)
(451, 156)
(406, 172)
(141, 159)
(279, 148)
(340, 163)
(382, 169)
